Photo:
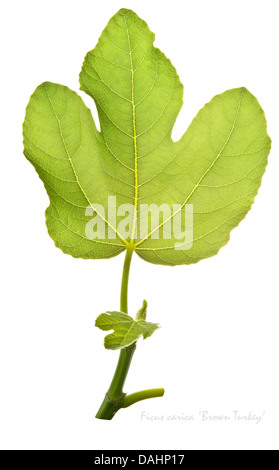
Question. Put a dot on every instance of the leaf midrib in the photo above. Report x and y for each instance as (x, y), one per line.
(136, 189)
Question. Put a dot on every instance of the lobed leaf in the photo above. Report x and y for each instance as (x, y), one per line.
(217, 165)
(126, 329)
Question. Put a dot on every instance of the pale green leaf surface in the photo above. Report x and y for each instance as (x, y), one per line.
(217, 165)
(126, 329)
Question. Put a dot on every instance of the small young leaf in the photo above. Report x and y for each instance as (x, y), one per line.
(126, 329)
(217, 165)
(141, 315)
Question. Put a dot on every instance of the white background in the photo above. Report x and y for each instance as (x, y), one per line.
(218, 347)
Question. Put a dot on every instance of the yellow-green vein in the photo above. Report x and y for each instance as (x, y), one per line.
(200, 180)
(134, 137)
(75, 173)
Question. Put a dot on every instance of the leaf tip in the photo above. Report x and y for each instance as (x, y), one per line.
(124, 11)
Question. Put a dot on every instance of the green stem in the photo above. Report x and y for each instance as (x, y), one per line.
(125, 281)
(143, 395)
(115, 397)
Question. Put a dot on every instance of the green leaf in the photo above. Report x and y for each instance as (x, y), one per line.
(126, 329)
(216, 167)
(141, 314)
